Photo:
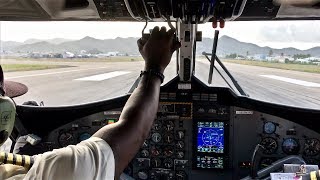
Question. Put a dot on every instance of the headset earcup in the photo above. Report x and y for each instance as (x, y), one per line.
(7, 117)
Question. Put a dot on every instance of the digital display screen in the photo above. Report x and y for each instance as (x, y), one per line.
(208, 162)
(210, 137)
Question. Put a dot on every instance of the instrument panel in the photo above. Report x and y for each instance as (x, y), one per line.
(196, 136)
(282, 138)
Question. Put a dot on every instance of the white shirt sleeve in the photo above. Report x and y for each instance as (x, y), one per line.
(90, 159)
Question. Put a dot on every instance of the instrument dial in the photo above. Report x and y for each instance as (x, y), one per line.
(66, 139)
(168, 138)
(180, 154)
(143, 175)
(145, 144)
(270, 145)
(290, 146)
(180, 144)
(266, 162)
(156, 137)
(155, 151)
(269, 127)
(157, 126)
(144, 153)
(312, 147)
(168, 163)
(180, 135)
(168, 126)
(84, 136)
(155, 162)
(181, 175)
(168, 151)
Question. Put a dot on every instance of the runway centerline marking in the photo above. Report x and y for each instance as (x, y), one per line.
(51, 73)
(104, 76)
(293, 81)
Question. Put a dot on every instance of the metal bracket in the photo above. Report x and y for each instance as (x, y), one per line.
(185, 56)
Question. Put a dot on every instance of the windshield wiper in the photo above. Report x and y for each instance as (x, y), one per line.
(234, 81)
(214, 58)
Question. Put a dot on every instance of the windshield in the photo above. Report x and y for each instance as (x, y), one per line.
(68, 63)
(275, 62)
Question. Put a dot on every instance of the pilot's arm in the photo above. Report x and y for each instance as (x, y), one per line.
(127, 135)
(109, 151)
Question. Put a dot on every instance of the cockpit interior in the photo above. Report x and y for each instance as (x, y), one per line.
(201, 131)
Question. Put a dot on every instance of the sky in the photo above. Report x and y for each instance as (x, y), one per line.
(275, 34)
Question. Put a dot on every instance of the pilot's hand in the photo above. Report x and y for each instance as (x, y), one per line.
(158, 49)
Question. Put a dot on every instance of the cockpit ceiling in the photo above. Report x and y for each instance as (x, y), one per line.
(116, 10)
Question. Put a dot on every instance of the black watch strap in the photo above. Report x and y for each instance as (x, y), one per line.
(154, 73)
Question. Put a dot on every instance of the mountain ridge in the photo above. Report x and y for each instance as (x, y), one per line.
(226, 45)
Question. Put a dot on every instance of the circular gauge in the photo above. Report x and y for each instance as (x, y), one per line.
(84, 136)
(311, 147)
(290, 146)
(180, 154)
(269, 127)
(155, 162)
(145, 144)
(144, 153)
(157, 125)
(265, 162)
(168, 126)
(181, 175)
(155, 151)
(143, 175)
(66, 139)
(168, 138)
(168, 151)
(156, 137)
(168, 163)
(270, 145)
(180, 134)
(180, 144)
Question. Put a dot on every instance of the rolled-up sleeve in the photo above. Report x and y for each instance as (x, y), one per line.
(90, 159)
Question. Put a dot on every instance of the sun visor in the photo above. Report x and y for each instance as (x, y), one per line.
(68, 9)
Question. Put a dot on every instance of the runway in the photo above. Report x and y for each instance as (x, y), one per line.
(86, 82)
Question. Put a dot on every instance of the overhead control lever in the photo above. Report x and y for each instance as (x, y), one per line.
(147, 35)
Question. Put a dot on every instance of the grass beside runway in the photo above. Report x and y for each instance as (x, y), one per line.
(107, 59)
(28, 67)
(294, 67)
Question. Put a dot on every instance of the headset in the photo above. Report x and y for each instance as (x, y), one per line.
(7, 120)
(7, 112)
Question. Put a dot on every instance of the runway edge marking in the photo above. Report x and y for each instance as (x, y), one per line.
(292, 81)
(104, 76)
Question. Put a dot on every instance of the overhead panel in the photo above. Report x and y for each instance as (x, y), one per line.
(24, 10)
(188, 11)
